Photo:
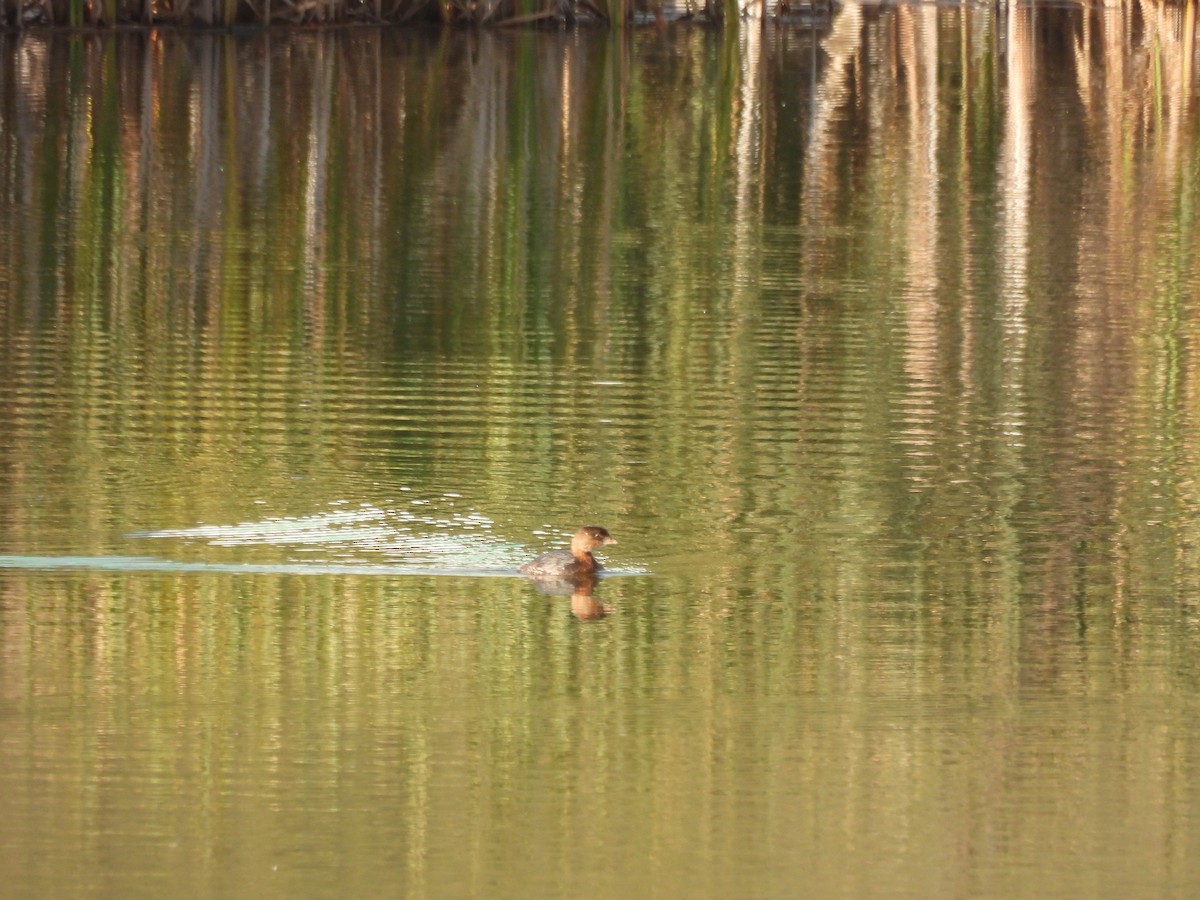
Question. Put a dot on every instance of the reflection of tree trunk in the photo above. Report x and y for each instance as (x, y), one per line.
(34, 57)
(1109, 198)
(210, 189)
(377, 192)
(918, 49)
(841, 45)
(748, 164)
(1012, 250)
(1014, 182)
(316, 190)
(141, 193)
(263, 116)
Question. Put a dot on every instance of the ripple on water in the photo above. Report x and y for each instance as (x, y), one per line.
(427, 532)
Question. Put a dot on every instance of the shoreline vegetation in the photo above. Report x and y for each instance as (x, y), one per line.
(16, 15)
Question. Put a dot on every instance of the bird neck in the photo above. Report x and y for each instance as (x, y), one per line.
(586, 561)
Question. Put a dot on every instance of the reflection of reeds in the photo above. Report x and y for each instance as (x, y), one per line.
(429, 143)
(977, 170)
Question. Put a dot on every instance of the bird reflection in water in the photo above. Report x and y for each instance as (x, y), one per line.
(581, 587)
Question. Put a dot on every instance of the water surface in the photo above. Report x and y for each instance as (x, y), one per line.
(871, 345)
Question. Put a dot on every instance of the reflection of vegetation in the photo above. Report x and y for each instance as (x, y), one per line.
(564, 210)
(871, 340)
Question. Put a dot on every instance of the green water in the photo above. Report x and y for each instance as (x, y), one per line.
(872, 346)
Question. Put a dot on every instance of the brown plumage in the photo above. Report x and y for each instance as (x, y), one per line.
(576, 561)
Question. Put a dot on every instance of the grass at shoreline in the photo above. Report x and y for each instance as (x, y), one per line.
(200, 14)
